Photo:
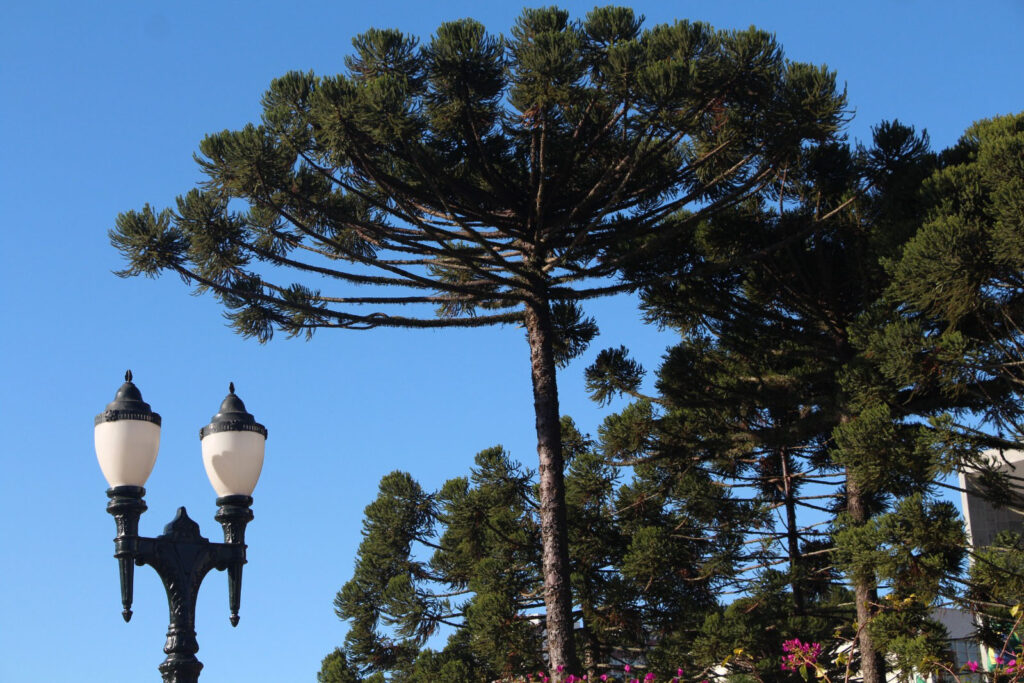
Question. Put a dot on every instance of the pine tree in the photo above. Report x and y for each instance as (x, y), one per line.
(778, 301)
(336, 669)
(465, 557)
(712, 421)
(959, 284)
(491, 178)
(960, 281)
(997, 587)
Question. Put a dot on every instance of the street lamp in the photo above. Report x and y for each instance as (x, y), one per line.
(127, 438)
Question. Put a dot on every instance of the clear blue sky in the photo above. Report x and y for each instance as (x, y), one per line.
(102, 106)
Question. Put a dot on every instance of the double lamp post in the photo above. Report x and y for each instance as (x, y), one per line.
(127, 438)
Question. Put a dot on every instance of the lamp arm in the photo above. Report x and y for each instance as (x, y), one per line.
(234, 514)
(126, 505)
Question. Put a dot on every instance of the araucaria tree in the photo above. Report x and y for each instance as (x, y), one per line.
(645, 570)
(776, 390)
(495, 179)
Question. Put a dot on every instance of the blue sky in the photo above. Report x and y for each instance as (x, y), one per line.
(103, 105)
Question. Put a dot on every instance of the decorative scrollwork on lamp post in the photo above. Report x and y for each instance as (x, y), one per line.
(127, 439)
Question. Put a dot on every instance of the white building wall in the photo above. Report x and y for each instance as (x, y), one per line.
(984, 521)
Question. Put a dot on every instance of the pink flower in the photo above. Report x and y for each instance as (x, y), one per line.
(560, 668)
(973, 666)
(604, 677)
(572, 677)
(627, 668)
(648, 676)
(798, 654)
(679, 672)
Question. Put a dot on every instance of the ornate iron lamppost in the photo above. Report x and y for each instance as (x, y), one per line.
(127, 438)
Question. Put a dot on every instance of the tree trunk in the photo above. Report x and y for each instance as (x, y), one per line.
(872, 664)
(553, 526)
(592, 649)
(796, 573)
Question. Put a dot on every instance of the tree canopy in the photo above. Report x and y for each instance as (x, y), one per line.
(647, 564)
(784, 480)
(785, 383)
(477, 169)
(960, 279)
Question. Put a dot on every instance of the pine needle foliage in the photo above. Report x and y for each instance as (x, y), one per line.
(780, 388)
(466, 558)
(961, 278)
(476, 170)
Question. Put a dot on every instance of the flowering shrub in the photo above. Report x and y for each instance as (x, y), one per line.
(801, 657)
(1008, 665)
(804, 658)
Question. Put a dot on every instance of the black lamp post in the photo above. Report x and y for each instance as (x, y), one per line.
(127, 439)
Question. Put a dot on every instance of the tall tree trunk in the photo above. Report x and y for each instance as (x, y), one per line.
(553, 527)
(592, 649)
(796, 572)
(872, 663)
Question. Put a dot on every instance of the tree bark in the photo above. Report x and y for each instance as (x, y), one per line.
(792, 536)
(553, 525)
(872, 663)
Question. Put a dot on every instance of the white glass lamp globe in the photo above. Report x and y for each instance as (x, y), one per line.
(233, 446)
(127, 437)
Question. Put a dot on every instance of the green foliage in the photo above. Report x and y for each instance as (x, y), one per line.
(386, 581)
(431, 666)
(479, 172)
(997, 584)
(151, 239)
(912, 640)
(962, 272)
(643, 567)
(798, 377)
(972, 239)
(486, 550)
(915, 548)
(625, 435)
(573, 331)
(335, 669)
(612, 373)
(757, 627)
(491, 539)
